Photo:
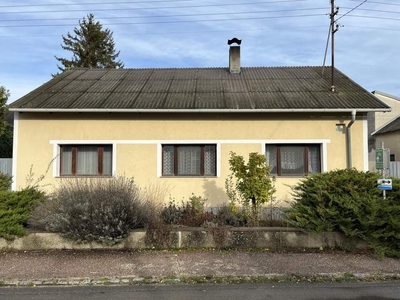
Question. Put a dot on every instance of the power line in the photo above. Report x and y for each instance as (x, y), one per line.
(150, 8)
(374, 28)
(353, 9)
(370, 17)
(167, 22)
(375, 10)
(90, 3)
(172, 16)
(174, 32)
(377, 2)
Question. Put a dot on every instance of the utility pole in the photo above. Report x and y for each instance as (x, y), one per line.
(333, 31)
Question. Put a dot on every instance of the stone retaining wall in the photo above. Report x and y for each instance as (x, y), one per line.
(273, 238)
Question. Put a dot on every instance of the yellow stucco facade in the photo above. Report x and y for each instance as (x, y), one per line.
(137, 141)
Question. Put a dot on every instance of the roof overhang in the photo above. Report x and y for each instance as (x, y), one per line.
(94, 110)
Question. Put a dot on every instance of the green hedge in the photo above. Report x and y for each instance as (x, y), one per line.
(15, 209)
(350, 202)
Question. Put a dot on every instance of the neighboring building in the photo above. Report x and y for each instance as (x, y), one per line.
(176, 127)
(379, 120)
(389, 135)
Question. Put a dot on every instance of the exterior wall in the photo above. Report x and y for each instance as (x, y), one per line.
(382, 118)
(391, 141)
(137, 140)
(377, 120)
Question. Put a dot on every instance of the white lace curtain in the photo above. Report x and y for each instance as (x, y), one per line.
(87, 160)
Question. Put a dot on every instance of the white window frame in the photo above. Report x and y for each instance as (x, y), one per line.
(57, 153)
(322, 142)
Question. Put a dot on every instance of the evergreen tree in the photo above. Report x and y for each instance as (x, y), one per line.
(92, 47)
(6, 142)
(4, 94)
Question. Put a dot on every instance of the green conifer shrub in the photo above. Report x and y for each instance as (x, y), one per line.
(15, 210)
(350, 202)
(5, 182)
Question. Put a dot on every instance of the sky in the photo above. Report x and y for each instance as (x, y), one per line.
(194, 33)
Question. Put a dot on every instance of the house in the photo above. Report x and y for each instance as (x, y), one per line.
(378, 130)
(389, 135)
(176, 127)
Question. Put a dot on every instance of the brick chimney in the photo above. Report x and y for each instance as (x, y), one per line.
(234, 55)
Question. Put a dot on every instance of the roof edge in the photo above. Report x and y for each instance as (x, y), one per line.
(384, 125)
(386, 95)
(292, 110)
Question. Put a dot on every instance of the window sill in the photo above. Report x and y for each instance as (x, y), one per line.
(85, 176)
(207, 176)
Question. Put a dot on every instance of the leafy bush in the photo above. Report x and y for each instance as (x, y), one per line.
(191, 213)
(85, 210)
(5, 182)
(231, 217)
(249, 185)
(15, 209)
(349, 201)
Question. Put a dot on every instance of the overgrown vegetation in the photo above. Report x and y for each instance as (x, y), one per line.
(95, 209)
(106, 210)
(191, 213)
(249, 185)
(349, 201)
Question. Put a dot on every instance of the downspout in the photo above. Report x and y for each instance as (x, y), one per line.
(353, 118)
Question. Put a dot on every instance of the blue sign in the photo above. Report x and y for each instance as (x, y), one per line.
(385, 184)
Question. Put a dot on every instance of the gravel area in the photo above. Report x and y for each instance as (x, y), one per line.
(97, 264)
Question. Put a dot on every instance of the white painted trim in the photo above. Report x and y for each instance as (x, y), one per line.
(304, 141)
(191, 110)
(218, 166)
(159, 160)
(365, 145)
(114, 158)
(324, 152)
(15, 151)
(56, 162)
(149, 142)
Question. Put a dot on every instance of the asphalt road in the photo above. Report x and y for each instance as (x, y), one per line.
(354, 291)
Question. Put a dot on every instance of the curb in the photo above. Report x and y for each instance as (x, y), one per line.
(203, 279)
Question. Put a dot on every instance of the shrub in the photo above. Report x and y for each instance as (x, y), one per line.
(191, 213)
(5, 182)
(85, 210)
(349, 201)
(231, 217)
(249, 185)
(15, 209)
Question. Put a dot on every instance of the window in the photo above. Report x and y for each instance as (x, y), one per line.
(86, 160)
(392, 157)
(293, 159)
(189, 160)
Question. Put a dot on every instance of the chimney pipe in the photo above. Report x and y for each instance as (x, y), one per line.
(234, 56)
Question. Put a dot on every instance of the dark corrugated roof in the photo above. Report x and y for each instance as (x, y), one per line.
(282, 88)
(393, 125)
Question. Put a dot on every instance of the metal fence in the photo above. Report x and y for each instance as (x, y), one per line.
(394, 169)
(6, 166)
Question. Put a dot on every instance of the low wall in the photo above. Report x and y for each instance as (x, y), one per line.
(272, 238)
